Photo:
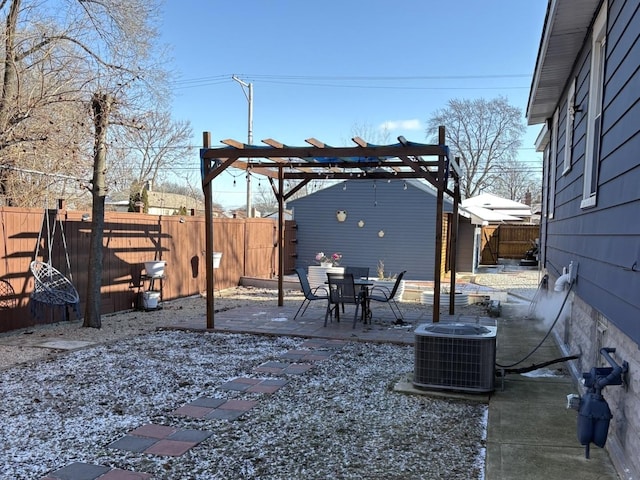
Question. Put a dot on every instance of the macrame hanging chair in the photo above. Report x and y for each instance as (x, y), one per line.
(52, 288)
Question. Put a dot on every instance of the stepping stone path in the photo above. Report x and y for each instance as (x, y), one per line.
(164, 440)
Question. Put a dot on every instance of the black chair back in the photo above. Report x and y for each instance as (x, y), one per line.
(342, 289)
(394, 290)
(357, 272)
(304, 282)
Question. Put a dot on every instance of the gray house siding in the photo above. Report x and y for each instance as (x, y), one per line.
(605, 239)
(406, 216)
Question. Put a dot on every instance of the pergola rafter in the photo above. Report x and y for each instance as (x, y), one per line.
(364, 161)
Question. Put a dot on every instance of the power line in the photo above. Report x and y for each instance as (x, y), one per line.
(320, 81)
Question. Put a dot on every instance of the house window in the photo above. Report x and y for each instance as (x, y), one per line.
(569, 121)
(553, 163)
(594, 116)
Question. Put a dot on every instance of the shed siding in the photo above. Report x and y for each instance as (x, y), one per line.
(407, 218)
(605, 239)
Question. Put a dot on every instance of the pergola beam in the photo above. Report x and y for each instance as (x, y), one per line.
(326, 152)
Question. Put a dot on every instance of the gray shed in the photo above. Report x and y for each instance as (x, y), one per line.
(392, 221)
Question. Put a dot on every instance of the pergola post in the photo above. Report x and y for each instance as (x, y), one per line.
(441, 184)
(208, 231)
(280, 197)
(454, 244)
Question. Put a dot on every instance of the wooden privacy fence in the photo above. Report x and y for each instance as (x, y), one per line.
(248, 248)
(507, 241)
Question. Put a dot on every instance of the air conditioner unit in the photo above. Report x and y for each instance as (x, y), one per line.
(455, 356)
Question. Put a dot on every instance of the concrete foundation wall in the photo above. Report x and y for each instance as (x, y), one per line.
(584, 330)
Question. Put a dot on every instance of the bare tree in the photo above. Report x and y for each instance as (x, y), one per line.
(264, 200)
(159, 147)
(514, 179)
(370, 133)
(101, 106)
(483, 134)
(56, 54)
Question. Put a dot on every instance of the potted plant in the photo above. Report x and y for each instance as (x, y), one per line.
(332, 260)
(327, 264)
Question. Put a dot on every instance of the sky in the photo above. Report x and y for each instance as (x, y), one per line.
(329, 69)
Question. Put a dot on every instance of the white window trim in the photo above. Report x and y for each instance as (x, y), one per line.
(553, 163)
(542, 145)
(596, 87)
(569, 122)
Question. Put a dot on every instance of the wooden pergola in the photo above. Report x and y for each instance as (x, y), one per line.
(281, 163)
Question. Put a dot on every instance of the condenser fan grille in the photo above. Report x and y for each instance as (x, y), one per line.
(455, 356)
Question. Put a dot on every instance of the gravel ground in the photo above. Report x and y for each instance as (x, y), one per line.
(340, 419)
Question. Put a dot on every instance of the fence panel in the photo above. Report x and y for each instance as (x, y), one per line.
(515, 240)
(262, 251)
(130, 239)
(507, 241)
(489, 253)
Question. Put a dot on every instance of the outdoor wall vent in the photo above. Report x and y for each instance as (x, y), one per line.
(455, 356)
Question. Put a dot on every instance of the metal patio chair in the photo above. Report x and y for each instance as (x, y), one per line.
(384, 295)
(309, 293)
(357, 272)
(342, 290)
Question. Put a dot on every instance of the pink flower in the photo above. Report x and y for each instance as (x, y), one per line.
(334, 259)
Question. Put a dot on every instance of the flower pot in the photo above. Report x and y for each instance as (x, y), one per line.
(150, 300)
(318, 275)
(460, 299)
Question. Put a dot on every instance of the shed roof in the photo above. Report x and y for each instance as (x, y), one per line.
(494, 202)
(480, 215)
(492, 208)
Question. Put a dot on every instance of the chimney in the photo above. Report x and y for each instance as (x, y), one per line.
(527, 198)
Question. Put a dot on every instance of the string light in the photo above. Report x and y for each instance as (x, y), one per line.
(234, 176)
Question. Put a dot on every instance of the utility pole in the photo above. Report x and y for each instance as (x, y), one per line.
(247, 89)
